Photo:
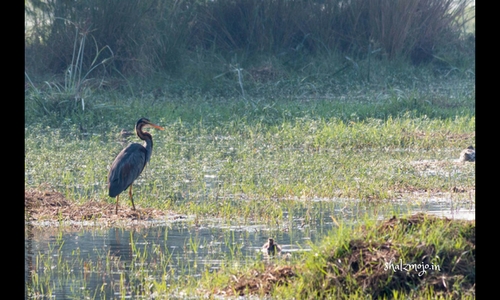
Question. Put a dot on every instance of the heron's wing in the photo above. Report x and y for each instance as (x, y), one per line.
(126, 167)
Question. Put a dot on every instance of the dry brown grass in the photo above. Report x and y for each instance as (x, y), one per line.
(260, 283)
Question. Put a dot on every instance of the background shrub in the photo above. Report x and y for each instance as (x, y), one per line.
(149, 36)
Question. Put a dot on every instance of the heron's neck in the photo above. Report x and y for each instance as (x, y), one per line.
(148, 142)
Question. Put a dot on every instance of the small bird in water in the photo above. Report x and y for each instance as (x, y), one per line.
(468, 154)
(271, 247)
(130, 162)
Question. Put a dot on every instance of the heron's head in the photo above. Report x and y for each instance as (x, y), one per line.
(144, 123)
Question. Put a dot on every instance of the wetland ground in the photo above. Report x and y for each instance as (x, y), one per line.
(322, 172)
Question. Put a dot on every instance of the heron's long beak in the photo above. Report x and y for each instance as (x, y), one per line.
(156, 126)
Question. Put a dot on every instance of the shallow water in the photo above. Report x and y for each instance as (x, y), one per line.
(108, 263)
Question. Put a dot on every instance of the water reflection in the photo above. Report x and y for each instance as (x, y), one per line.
(29, 255)
(116, 262)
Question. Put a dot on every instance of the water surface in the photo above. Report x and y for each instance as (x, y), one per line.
(107, 263)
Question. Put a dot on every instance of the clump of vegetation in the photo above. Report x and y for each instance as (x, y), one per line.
(416, 256)
(79, 65)
(153, 36)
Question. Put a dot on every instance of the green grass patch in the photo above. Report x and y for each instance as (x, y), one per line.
(370, 159)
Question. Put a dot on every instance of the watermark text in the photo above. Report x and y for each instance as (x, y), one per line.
(421, 268)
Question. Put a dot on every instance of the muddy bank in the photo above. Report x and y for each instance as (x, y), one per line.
(52, 206)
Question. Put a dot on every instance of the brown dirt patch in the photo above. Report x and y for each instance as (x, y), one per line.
(53, 206)
(260, 283)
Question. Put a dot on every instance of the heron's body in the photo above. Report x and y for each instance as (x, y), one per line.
(128, 165)
(130, 162)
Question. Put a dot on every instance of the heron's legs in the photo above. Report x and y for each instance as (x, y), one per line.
(116, 210)
(131, 198)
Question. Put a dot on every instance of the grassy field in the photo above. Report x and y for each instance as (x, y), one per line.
(368, 143)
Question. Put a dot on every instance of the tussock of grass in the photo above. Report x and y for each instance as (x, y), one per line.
(260, 282)
(364, 261)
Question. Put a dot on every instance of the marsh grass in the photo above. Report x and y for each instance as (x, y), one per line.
(65, 97)
(215, 163)
(150, 266)
(447, 245)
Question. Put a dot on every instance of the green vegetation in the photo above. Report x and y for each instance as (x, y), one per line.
(193, 38)
(373, 261)
(267, 115)
(213, 150)
(355, 141)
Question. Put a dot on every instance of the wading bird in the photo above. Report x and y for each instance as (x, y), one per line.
(130, 162)
(271, 247)
(469, 154)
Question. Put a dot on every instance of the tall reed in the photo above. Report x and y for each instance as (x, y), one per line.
(152, 35)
